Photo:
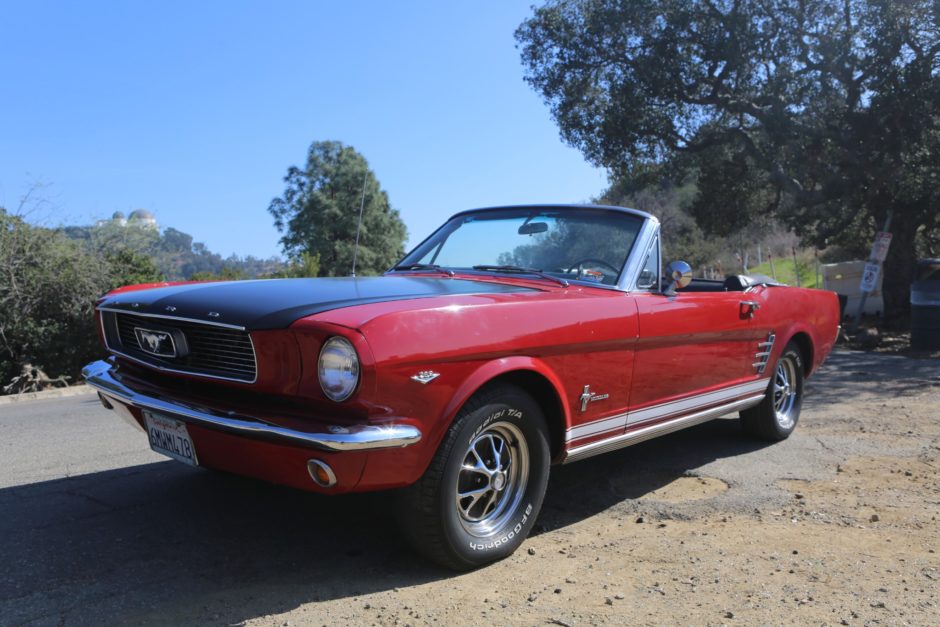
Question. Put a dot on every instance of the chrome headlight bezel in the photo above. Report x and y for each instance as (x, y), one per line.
(345, 366)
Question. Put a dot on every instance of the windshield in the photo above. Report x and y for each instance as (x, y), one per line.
(578, 244)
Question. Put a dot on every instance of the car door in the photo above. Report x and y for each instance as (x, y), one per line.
(695, 350)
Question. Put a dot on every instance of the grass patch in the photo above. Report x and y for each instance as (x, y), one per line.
(786, 269)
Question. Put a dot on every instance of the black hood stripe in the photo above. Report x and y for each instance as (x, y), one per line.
(277, 303)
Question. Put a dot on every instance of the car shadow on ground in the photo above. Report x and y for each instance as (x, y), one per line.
(161, 537)
(586, 488)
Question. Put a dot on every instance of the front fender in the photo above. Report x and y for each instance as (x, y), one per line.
(394, 468)
(498, 367)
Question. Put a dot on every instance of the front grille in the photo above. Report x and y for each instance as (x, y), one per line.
(213, 351)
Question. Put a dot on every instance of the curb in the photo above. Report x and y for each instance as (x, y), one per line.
(72, 390)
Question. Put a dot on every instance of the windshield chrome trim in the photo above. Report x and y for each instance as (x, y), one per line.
(637, 257)
(528, 276)
(470, 275)
(634, 212)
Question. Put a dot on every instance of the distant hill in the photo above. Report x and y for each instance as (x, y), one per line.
(174, 252)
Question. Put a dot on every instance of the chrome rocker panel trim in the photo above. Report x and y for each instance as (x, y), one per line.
(647, 433)
(99, 375)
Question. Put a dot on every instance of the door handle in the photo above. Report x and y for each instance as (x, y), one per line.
(749, 307)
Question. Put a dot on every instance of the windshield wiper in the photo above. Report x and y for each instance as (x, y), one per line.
(425, 266)
(521, 270)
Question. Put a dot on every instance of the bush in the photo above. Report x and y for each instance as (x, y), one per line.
(49, 285)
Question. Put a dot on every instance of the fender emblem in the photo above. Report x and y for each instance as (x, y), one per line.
(425, 376)
(587, 397)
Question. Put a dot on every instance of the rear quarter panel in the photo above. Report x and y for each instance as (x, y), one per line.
(790, 311)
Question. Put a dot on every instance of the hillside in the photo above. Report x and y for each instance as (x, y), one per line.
(173, 252)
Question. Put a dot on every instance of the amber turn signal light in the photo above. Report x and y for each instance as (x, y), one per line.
(321, 473)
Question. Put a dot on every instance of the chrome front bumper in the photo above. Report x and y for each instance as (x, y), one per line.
(101, 376)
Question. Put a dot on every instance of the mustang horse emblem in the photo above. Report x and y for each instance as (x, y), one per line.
(158, 343)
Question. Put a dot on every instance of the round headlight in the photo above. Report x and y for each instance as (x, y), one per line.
(338, 368)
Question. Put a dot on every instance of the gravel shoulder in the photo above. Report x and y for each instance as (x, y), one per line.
(837, 525)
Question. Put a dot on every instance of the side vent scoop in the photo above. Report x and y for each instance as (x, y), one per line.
(762, 356)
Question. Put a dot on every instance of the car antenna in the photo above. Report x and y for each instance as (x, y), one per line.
(362, 203)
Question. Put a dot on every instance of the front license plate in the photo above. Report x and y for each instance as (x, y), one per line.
(169, 437)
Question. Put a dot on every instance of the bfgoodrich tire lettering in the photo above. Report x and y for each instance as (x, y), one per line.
(480, 496)
(776, 416)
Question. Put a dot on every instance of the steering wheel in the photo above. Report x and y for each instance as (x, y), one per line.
(590, 261)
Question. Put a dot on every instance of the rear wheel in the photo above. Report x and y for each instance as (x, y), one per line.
(776, 416)
(479, 498)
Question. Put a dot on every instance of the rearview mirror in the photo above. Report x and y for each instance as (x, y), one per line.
(531, 228)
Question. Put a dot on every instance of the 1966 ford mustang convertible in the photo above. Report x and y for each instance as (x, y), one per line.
(509, 340)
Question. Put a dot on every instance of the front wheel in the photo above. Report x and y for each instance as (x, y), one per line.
(776, 416)
(479, 498)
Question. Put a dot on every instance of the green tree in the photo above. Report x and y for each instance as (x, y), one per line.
(824, 113)
(227, 273)
(682, 237)
(127, 267)
(49, 285)
(319, 211)
(306, 265)
(111, 236)
(48, 290)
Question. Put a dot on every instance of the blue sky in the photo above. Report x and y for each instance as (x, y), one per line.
(194, 110)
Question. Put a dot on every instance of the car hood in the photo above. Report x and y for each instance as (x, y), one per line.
(277, 303)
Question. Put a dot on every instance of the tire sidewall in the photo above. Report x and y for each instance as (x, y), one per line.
(520, 410)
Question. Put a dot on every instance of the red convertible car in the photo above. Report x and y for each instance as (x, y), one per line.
(511, 339)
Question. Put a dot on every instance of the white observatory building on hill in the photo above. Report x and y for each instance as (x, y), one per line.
(140, 218)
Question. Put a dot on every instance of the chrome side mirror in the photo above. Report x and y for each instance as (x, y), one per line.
(680, 275)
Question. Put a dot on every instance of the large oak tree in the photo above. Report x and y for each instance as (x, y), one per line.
(825, 113)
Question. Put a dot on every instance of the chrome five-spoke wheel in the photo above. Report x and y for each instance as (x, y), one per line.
(481, 494)
(784, 393)
(775, 417)
(492, 478)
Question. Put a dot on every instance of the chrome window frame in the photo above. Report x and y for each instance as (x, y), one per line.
(646, 239)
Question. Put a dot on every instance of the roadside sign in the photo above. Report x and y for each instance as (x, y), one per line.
(870, 277)
(879, 250)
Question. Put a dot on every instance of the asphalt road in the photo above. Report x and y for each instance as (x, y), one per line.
(97, 529)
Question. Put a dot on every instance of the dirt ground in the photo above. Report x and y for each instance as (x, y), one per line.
(837, 525)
